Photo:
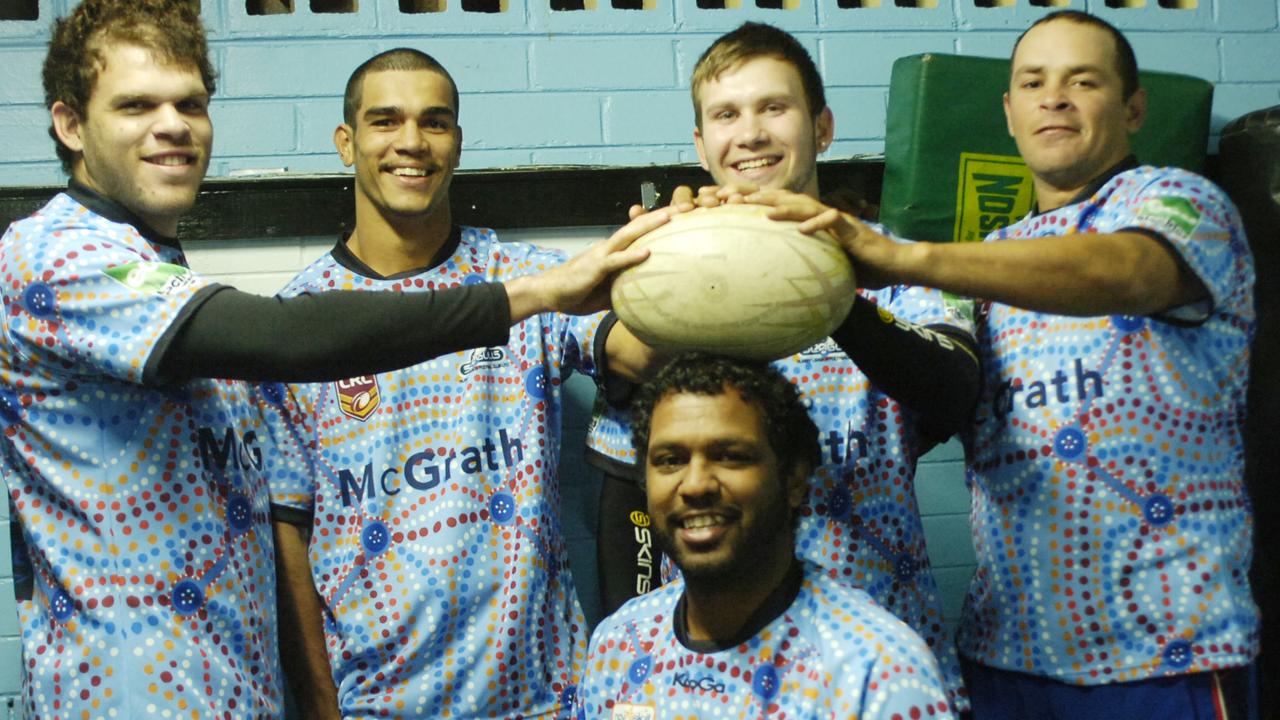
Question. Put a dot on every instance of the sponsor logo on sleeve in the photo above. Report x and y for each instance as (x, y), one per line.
(155, 278)
(358, 397)
(1173, 214)
(627, 711)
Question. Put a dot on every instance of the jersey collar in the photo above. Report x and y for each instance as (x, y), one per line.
(347, 259)
(1130, 162)
(771, 609)
(115, 212)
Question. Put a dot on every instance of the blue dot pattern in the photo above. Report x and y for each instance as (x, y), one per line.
(870, 446)
(144, 511)
(437, 546)
(833, 653)
(1110, 518)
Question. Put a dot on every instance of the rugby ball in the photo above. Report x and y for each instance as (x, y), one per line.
(729, 280)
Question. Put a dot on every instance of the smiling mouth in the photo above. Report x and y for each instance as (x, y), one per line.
(172, 160)
(411, 172)
(755, 163)
(698, 522)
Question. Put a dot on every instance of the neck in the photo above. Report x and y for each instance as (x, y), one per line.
(718, 611)
(391, 245)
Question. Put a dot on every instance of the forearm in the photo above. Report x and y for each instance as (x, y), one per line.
(1083, 274)
(627, 357)
(935, 374)
(302, 646)
(330, 336)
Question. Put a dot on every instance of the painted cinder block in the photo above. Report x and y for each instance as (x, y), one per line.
(1018, 16)
(253, 127)
(887, 15)
(20, 75)
(988, 44)
(849, 59)
(32, 173)
(947, 451)
(1258, 16)
(317, 120)
(1192, 53)
(512, 120)
(301, 22)
(451, 20)
(648, 118)
(570, 63)
(478, 65)
(20, 30)
(297, 69)
(8, 616)
(476, 159)
(1154, 17)
(25, 129)
(940, 488)
(603, 18)
(1231, 100)
(859, 112)
(795, 16)
(949, 542)
(953, 583)
(10, 665)
(1250, 57)
(324, 162)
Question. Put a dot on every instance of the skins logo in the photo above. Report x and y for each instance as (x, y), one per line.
(482, 358)
(358, 397)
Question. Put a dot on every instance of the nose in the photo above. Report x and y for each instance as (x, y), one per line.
(1053, 96)
(170, 122)
(699, 482)
(751, 132)
(409, 139)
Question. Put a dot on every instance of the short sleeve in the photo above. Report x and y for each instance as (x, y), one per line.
(82, 291)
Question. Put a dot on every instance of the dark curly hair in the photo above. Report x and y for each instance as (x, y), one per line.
(791, 432)
(169, 29)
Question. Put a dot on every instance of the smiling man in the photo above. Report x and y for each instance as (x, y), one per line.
(1111, 523)
(437, 498)
(749, 630)
(140, 483)
(898, 375)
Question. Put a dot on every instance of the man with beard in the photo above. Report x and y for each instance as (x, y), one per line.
(749, 629)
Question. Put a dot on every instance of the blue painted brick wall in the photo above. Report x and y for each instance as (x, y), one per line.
(609, 87)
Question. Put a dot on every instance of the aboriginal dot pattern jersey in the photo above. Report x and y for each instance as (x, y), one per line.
(833, 653)
(1109, 513)
(437, 546)
(145, 510)
(860, 521)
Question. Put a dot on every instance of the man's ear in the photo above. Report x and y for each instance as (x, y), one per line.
(1135, 111)
(343, 137)
(1008, 122)
(702, 150)
(798, 484)
(67, 125)
(824, 129)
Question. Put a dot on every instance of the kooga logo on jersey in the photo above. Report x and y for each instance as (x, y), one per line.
(426, 469)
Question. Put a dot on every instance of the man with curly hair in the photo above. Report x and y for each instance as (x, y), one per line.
(140, 484)
(749, 630)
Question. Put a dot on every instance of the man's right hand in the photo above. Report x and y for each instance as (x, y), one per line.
(581, 285)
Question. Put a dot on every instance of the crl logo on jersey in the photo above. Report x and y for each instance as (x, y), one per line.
(358, 397)
(482, 358)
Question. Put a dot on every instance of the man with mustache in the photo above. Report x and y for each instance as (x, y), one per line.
(1110, 517)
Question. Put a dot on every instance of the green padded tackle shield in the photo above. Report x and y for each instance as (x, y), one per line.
(951, 170)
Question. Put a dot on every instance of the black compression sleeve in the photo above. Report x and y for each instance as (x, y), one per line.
(331, 335)
(933, 371)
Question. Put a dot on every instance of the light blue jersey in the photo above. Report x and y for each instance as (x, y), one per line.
(436, 540)
(1110, 516)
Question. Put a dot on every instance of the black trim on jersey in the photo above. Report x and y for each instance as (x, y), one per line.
(1128, 163)
(343, 256)
(291, 515)
(329, 336)
(632, 472)
(939, 384)
(777, 602)
(115, 212)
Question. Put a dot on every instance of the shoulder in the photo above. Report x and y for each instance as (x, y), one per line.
(515, 253)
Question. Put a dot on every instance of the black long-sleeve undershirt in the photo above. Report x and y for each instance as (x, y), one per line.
(931, 370)
(328, 336)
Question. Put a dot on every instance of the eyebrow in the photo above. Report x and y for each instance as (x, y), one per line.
(385, 110)
(1073, 70)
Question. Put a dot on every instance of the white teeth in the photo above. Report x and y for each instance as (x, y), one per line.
(701, 521)
(753, 164)
(172, 160)
(410, 172)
